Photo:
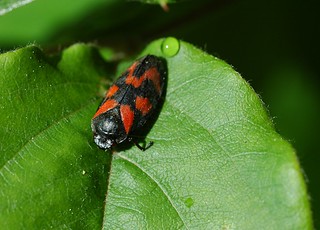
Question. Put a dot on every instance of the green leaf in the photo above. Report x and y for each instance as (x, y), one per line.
(216, 162)
(41, 20)
(51, 174)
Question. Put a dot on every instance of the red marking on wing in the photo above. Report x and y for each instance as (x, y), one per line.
(143, 104)
(127, 116)
(152, 74)
(109, 104)
(113, 89)
(132, 68)
(134, 81)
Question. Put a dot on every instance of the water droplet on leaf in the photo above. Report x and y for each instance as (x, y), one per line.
(170, 46)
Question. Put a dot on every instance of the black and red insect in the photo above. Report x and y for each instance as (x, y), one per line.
(129, 102)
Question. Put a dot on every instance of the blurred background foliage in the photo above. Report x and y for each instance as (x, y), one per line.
(273, 44)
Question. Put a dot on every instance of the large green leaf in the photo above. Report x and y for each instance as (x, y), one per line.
(216, 162)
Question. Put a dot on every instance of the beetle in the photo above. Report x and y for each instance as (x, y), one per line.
(129, 103)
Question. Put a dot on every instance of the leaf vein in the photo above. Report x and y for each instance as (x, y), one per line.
(158, 184)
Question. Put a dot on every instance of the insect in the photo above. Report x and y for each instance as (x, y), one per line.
(129, 103)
